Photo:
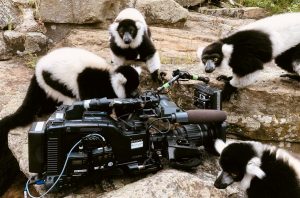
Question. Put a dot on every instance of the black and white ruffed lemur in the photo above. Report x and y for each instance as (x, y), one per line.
(66, 75)
(250, 47)
(130, 40)
(259, 169)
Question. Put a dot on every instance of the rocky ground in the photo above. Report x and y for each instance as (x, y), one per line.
(267, 110)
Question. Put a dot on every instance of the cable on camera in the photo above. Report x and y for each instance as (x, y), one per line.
(26, 190)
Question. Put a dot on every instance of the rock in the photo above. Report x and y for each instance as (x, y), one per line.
(14, 40)
(163, 12)
(267, 110)
(35, 42)
(26, 43)
(242, 13)
(81, 12)
(9, 15)
(29, 24)
(187, 3)
(4, 52)
(169, 183)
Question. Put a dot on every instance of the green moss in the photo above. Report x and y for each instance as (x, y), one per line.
(273, 6)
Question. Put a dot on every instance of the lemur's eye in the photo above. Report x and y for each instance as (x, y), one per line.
(216, 59)
(234, 175)
(204, 60)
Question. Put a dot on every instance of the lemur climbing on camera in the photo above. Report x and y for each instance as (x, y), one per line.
(260, 169)
(66, 75)
(130, 39)
(247, 50)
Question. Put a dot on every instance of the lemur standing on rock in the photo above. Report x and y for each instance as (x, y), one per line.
(248, 49)
(130, 39)
(66, 75)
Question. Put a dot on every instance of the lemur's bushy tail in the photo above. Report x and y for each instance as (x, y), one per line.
(35, 103)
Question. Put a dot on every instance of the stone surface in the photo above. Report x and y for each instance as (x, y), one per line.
(15, 40)
(4, 52)
(267, 110)
(8, 15)
(187, 3)
(162, 12)
(26, 43)
(76, 11)
(28, 23)
(35, 42)
(242, 13)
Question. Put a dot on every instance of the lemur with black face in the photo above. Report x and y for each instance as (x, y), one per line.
(248, 49)
(259, 169)
(130, 39)
(66, 75)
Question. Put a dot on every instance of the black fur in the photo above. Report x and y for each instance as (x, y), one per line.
(145, 51)
(235, 157)
(56, 85)
(251, 50)
(94, 83)
(129, 73)
(286, 59)
(280, 180)
(35, 103)
(227, 91)
(129, 26)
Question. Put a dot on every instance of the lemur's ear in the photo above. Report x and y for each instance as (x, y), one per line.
(253, 168)
(219, 145)
(199, 52)
(139, 25)
(138, 69)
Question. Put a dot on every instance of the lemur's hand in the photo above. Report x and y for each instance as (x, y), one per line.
(158, 77)
(227, 91)
(295, 77)
(224, 78)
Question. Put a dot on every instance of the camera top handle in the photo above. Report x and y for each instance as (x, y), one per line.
(181, 75)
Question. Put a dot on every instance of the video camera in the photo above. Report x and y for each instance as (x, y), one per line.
(85, 139)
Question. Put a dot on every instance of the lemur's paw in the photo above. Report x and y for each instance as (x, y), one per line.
(291, 77)
(158, 77)
(224, 78)
(228, 91)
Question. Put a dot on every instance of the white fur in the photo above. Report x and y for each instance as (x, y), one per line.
(117, 60)
(296, 66)
(135, 15)
(227, 51)
(226, 178)
(284, 30)
(65, 64)
(219, 145)
(138, 69)
(253, 168)
(244, 81)
(131, 13)
(199, 53)
(118, 81)
(153, 63)
(290, 160)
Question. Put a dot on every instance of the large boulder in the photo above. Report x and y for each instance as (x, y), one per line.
(187, 3)
(9, 15)
(162, 12)
(26, 43)
(4, 52)
(80, 12)
(242, 13)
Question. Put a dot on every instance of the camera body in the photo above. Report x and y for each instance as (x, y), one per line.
(131, 144)
(206, 97)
